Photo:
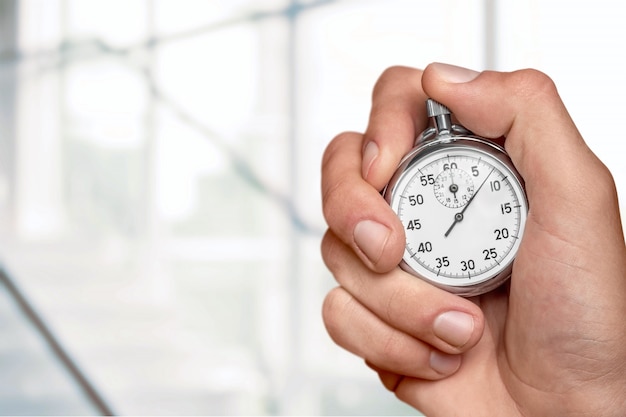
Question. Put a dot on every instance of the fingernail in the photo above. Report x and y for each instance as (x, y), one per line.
(454, 74)
(454, 327)
(371, 238)
(444, 364)
(369, 155)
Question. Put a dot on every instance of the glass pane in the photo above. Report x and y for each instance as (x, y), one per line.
(161, 201)
(33, 381)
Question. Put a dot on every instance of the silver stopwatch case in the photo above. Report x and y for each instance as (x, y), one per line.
(463, 207)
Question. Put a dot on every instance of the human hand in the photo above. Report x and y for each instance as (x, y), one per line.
(553, 341)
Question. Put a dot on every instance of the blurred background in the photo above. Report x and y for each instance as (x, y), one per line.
(160, 215)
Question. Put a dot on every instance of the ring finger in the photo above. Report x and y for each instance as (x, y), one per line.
(361, 332)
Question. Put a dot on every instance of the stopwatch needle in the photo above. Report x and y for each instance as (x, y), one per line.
(453, 187)
(459, 216)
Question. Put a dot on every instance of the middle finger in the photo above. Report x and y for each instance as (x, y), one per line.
(448, 322)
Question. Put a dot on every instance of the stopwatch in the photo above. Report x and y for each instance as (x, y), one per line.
(463, 207)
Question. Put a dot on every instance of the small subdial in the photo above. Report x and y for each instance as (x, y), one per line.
(453, 188)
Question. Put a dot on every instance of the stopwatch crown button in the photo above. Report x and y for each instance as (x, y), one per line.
(434, 108)
(441, 117)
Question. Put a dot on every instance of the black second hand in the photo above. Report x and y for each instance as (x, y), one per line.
(459, 216)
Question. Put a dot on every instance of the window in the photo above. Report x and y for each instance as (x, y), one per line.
(159, 188)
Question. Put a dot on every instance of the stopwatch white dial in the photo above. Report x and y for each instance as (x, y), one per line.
(463, 211)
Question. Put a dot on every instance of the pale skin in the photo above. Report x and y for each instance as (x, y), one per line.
(552, 342)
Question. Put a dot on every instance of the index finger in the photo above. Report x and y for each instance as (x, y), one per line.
(398, 115)
(354, 210)
(356, 167)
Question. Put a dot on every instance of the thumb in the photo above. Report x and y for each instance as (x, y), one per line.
(562, 174)
(568, 284)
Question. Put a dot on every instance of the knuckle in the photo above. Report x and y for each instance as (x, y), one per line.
(413, 308)
(396, 304)
(334, 146)
(329, 250)
(403, 353)
(335, 180)
(334, 308)
(393, 348)
(603, 189)
(392, 73)
(333, 197)
(531, 83)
